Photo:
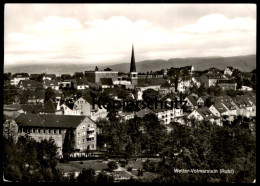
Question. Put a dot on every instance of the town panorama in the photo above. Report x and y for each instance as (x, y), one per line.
(174, 125)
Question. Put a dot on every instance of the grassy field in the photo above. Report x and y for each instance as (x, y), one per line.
(98, 165)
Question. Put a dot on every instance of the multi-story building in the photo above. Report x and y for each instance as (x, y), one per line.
(211, 79)
(227, 84)
(41, 127)
(16, 78)
(53, 84)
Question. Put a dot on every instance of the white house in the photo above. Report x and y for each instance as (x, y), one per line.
(16, 78)
(205, 114)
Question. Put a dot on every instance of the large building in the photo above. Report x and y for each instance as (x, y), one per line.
(97, 75)
(41, 127)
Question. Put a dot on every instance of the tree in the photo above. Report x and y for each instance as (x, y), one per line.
(202, 90)
(155, 133)
(69, 143)
(86, 175)
(209, 101)
(104, 178)
(112, 166)
(150, 95)
(49, 93)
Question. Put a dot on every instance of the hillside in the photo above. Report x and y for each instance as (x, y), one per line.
(244, 63)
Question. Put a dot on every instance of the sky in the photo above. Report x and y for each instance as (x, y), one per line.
(104, 33)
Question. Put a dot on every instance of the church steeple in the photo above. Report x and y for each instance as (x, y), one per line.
(132, 66)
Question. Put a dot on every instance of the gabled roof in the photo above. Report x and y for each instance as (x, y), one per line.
(82, 81)
(70, 105)
(35, 75)
(28, 108)
(206, 113)
(52, 76)
(192, 100)
(203, 98)
(29, 84)
(143, 112)
(151, 81)
(106, 81)
(225, 81)
(197, 79)
(220, 107)
(49, 107)
(214, 76)
(49, 120)
(49, 83)
(165, 85)
(229, 105)
(20, 75)
(169, 96)
(12, 107)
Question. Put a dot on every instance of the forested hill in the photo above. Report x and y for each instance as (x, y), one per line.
(243, 63)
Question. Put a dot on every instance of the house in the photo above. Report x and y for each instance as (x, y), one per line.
(227, 84)
(106, 83)
(36, 99)
(186, 83)
(68, 109)
(201, 101)
(166, 88)
(211, 79)
(196, 81)
(243, 107)
(229, 71)
(35, 76)
(29, 84)
(85, 105)
(191, 102)
(49, 77)
(68, 83)
(50, 107)
(204, 114)
(12, 110)
(55, 127)
(82, 84)
(98, 113)
(166, 116)
(190, 69)
(126, 115)
(16, 78)
(142, 112)
(53, 84)
(218, 109)
(246, 88)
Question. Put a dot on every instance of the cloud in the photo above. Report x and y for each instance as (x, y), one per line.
(96, 39)
(219, 23)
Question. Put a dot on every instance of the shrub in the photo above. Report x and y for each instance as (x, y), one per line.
(129, 168)
(112, 165)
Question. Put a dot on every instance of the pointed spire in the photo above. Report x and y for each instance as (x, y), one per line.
(96, 68)
(132, 66)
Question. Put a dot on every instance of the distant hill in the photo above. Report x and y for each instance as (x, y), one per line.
(244, 63)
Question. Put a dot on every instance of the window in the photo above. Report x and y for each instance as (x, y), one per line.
(83, 140)
(59, 131)
(49, 131)
(43, 131)
(54, 131)
(33, 130)
(93, 146)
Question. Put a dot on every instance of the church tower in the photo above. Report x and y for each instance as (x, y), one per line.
(133, 74)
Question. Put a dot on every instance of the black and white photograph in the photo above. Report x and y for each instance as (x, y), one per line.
(129, 93)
